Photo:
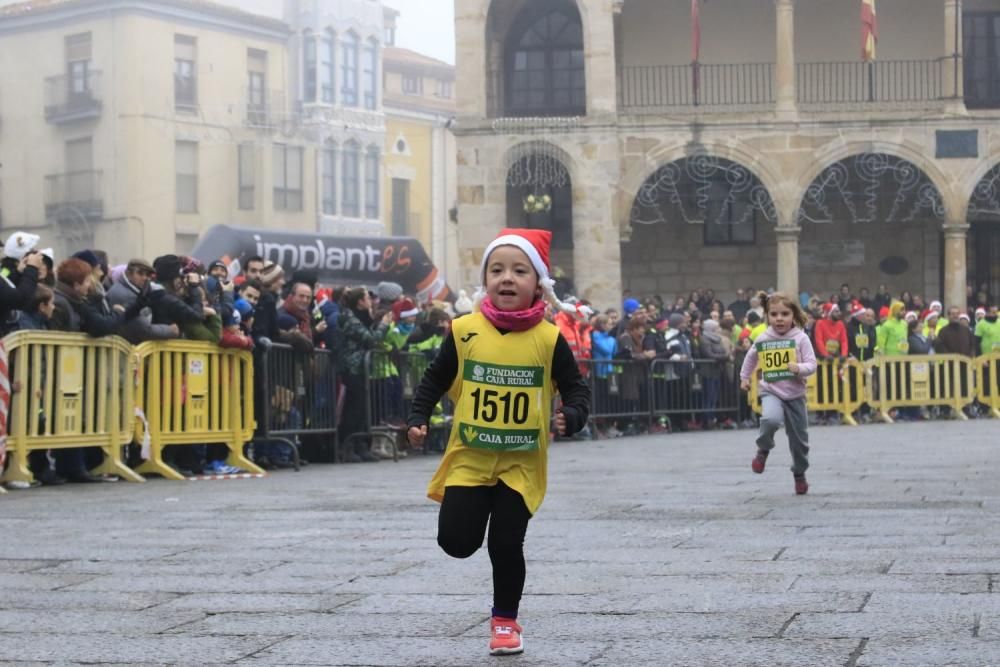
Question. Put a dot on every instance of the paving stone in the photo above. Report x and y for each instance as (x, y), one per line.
(967, 583)
(163, 649)
(930, 653)
(910, 624)
(746, 653)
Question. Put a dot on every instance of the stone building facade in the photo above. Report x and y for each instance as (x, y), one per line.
(777, 159)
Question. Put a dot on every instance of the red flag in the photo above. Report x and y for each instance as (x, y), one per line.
(869, 30)
(695, 30)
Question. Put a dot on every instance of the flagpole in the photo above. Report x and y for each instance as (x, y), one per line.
(695, 50)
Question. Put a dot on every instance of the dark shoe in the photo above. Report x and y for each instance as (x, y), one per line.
(801, 485)
(351, 457)
(759, 461)
(84, 477)
(368, 457)
(50, 478)
(266, 464)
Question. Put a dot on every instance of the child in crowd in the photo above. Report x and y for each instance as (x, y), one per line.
(786, 357)
(501, 364)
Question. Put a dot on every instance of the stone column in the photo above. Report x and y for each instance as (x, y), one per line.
(952, 78)
(784, 68)
(788, 260)
(601, 69)
(955, 270)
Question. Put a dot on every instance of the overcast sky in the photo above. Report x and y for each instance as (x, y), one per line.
(427, 26)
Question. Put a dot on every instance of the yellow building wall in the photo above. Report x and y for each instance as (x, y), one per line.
(416, 165)
(134, 136)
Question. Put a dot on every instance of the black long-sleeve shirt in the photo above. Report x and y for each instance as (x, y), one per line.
(439, 376)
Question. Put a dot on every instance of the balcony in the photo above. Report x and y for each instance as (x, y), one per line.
(72, 98)
(654, 88)
(265, 110)
(76, 192)
(747, 86)
(880, 83)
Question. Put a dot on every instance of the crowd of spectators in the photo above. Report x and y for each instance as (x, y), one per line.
(381, 339)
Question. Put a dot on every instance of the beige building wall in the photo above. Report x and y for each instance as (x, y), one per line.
(784, 144)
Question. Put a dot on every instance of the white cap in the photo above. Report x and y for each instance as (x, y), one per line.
(20, 244)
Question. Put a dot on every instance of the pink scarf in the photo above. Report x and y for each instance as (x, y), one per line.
(513, 320)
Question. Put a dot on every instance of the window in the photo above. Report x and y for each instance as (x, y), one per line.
(390, 36)
(444, 89)
(371, 183)
(287, 178)
(328, 169)
(78, 54)
(309, 66)
(327, 65)
(545, 71)
(257, 85)
(412, 84)
(349, 71)
(186, 166)
(371, 74)
(729, 220)
(981, 38)
(349, 181)
(247, 177)
(185, 74)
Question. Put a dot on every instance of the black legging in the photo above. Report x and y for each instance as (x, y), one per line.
(462, 526)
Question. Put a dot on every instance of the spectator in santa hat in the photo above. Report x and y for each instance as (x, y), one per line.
(932, 324)
(861, 334)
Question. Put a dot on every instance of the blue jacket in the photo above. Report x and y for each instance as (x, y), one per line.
(604, 347)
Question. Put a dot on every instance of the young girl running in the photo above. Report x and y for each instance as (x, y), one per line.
(499, 365)
(786, 359)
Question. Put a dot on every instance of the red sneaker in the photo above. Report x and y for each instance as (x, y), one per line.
(801, 485)
(759, 461)
(506, 637)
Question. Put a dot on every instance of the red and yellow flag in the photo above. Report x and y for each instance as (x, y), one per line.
(869, 30)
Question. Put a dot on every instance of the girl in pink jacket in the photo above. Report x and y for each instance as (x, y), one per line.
(786, 358)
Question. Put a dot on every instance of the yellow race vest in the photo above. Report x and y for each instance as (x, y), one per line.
(503, 402)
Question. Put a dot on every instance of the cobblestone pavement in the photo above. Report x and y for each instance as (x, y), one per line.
(662, 550)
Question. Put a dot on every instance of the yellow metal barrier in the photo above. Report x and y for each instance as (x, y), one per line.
(70, 390)
(988, 382)
(193, 393)
(920, 381)
(836, 386)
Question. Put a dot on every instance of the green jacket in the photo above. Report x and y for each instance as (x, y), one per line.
(383, 365)
(893, 338)
(209, 329)
(354, 340)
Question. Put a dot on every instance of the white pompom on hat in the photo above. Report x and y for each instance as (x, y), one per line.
(535, 243)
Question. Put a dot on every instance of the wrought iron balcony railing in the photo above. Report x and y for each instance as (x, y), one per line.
(73, 97)
(75, 191)
(648, 88)
(881, 81)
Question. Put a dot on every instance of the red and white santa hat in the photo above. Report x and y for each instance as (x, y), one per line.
(535, 243)
(936, 306)
(857, 309)
(911, 316)
(830, 308)
(980, 312)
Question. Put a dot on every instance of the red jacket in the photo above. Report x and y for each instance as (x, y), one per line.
(830, 339)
